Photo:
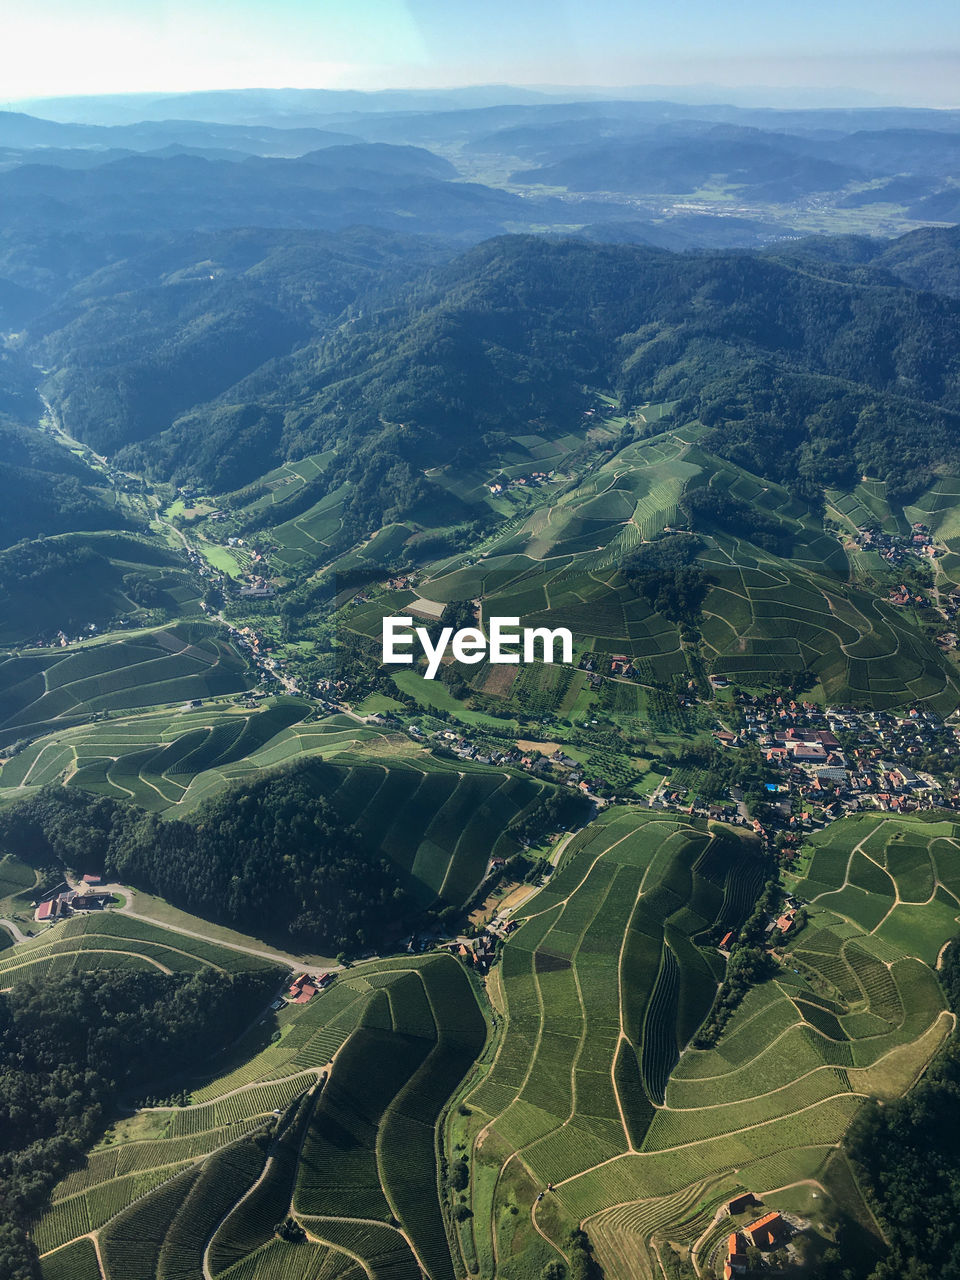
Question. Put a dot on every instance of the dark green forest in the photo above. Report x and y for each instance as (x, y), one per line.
(272, 857)
(805, 370)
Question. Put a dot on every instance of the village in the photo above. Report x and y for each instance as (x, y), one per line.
(895, 547)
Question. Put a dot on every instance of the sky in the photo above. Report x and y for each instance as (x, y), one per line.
(899, 52)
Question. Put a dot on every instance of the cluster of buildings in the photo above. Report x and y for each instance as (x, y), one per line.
(257, 649)
(902, 595)
(558, 767)
(894, 547)
(304, 987)
(256, 587)
(767, 1232)
(481, 950)
(533, 480)
(874, 768)
(63, 902)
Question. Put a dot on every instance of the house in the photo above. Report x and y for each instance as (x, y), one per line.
(47, 911)
(90, 879)
(768, 1231)
(736, 1262)
(724, 943)
(740, 1203)
(90, 901)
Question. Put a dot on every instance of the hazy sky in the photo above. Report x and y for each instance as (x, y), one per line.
(901, 50)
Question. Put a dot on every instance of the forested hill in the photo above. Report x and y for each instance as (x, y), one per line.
(790, 359)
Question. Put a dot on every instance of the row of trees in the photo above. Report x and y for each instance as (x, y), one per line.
(749, 964)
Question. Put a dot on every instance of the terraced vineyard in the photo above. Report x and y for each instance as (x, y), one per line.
(595, 1092)
(111, 939)
(54, 688)
(766, 612)
(439, 822)
(179, 758)
(196, 1190)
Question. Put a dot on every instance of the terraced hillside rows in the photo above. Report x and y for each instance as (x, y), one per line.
(110, 939)
(348, 1149)
(595, 1097)
(179, 758)
(439, 822)
(779, 604)
(47, 688)
(604, 985)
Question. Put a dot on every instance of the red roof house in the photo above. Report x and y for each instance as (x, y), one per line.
(767, 1231)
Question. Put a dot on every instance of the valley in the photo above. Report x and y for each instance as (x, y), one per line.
(319, 966)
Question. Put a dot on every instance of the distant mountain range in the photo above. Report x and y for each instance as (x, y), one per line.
(468, 165)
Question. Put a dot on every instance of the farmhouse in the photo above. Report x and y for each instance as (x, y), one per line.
(65, 904)
(740, 1203)
(88, 901)
(768, 1231)
(736, 1254)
